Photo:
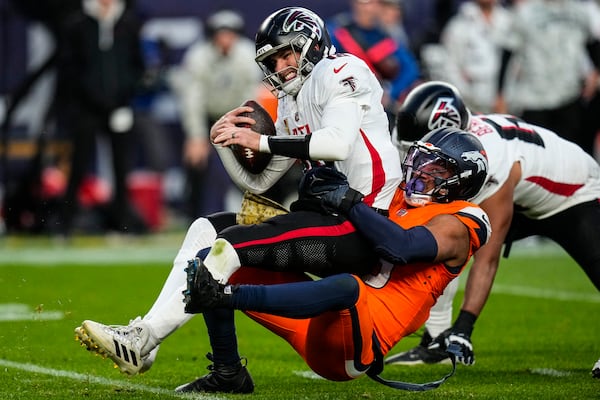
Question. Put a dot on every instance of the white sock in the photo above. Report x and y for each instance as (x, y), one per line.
(167, 313)
(440, 316)
(222, 261)
(167, 318)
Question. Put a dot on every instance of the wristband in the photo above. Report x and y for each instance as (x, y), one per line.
(464, 323)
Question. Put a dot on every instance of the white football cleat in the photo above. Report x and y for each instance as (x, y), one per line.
(596, 369)
(129, 346)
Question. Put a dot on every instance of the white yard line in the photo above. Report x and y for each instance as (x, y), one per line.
(308, 375)
(551, 372)
(48, 257)
(36, 369)
(104, 250)
(545, 293)
(24, 312)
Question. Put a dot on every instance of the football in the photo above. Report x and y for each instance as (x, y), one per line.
(254, 161)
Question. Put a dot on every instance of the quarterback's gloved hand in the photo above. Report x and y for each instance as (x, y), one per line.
(458, 344)
(331, 186)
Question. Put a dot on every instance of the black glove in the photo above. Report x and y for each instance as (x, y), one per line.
(319, 180)
(331, 186)
(455, 343)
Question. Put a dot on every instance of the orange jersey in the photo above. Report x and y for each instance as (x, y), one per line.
(339, 345)
(414, 288)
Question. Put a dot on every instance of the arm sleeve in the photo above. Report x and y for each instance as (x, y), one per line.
(333, 142)
(392, 242)
(255, 183)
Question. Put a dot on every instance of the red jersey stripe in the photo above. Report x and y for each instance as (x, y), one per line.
(378, 172)
(563, 189)
(334, 230)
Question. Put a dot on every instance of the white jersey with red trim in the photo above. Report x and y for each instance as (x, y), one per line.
(555, 174)
(371, 161)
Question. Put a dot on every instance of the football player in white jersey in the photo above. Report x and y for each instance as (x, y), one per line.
(329, 113)
(537, 184)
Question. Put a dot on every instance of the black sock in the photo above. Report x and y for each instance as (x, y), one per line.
(220, 324)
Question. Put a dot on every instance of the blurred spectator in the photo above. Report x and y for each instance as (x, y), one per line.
(26, 111)
(550, 39)
(151, 137)
(154, 147)
(472, 40)
(433, 20)
(99, 69)
(359, 32)
(217, 75)
(391, 19)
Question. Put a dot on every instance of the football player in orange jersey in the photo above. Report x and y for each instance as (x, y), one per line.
(531, 189)
(343, 325)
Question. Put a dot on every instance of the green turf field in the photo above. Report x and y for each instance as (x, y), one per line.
(537, 339)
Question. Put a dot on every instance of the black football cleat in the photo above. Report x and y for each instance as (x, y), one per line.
(203, 292)
(420, 354)
(596, 370)
(221, 379)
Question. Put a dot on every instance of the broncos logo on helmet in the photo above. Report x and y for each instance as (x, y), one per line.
(444, 114)
(299, 20)
(476, 157)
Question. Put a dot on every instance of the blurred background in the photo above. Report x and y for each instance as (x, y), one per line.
(140, 171)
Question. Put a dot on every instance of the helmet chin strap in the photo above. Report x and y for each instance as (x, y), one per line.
(412, 193)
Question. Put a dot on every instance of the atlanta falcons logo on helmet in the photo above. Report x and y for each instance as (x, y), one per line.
(299, 20)
(444, 114)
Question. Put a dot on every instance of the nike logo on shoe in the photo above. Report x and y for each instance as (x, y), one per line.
(336, 70)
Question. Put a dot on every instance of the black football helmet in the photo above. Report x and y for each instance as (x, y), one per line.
(297, 28)
(429, 106)
(444, 149)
